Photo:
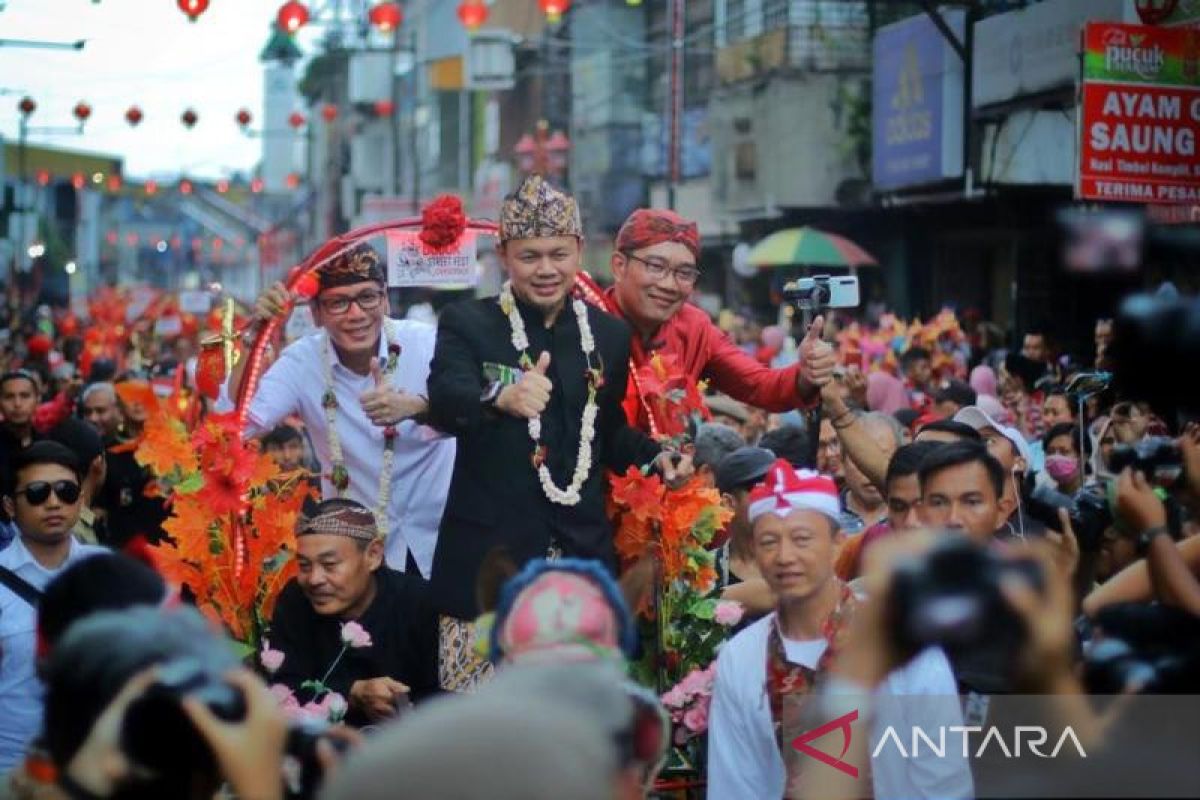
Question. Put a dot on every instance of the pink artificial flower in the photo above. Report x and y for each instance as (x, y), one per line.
(271, 660)
(335, 706)
(287, 700)
(355, 635)
(696, 719)
(728, 613)
(674, 698)
(696, 682)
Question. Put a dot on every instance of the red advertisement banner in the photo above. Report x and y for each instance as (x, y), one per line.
(1138, 143)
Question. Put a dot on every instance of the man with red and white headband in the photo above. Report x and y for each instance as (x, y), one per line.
(655, 268)
(767, 673)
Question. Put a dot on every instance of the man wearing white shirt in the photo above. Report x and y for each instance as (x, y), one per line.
(769, 673)
(359, 386)
(44, 498)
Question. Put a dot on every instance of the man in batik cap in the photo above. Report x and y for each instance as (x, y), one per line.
(531, 385)
(358, 385)
(655, 265)
(345, 598)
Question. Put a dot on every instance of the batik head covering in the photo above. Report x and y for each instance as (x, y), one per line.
(786, 489)
(358, 264)
(339, 517)
(647, 227)
(536, 210)
(561, 610)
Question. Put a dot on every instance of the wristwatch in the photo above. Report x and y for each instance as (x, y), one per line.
(1149, 535)
(490, 393)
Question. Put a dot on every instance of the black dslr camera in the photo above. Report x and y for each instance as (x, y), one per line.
(1089, 512)
(951, 596)
(1157, 457)
(100, 653)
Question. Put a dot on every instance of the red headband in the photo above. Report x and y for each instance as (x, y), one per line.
(647, 227)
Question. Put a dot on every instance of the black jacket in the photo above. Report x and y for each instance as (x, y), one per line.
(495, 496)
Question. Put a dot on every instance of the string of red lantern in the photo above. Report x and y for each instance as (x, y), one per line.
(472, 14)
(554, 9)
(193, 8)
(386, 17)
(292, 16)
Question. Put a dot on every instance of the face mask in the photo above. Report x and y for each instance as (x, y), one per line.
(1062, 468)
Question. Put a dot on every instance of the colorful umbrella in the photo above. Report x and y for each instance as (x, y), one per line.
(808, 247)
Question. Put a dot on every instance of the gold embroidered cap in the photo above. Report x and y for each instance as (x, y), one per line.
(536, 210)
(356, 265)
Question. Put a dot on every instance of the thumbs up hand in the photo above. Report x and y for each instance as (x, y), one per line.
(386, 405)
(817, 360)
(529, 396)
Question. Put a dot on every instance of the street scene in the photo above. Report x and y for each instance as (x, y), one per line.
(611, 399)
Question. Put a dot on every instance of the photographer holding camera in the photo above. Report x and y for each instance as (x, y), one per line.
(143, 703)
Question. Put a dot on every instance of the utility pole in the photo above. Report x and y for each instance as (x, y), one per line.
(675, 100)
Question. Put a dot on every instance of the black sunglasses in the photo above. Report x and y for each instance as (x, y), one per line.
(38, 492)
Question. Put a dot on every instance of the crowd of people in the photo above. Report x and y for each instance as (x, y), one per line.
(926, 532)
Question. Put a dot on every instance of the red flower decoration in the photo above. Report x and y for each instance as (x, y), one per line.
(307, 285)
(442, 223)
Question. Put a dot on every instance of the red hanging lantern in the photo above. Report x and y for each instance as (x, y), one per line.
(329, 112)
(150, 187)
(193, 8)
(384, 108)
(43, 177)
(78, 180)
(222, 186)
(189, 118)
(243, 117)
(114, 183)
(82, 111)
(386, 17)
(256, 185)
(293, 181)
(27, 106)
(185, 186)
(292, 16)
(296, 119)
(472, 14)
(554, 9)
(133, 116)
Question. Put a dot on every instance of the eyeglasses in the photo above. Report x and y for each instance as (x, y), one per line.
(38, 492)
(684, 276)
(367, 301)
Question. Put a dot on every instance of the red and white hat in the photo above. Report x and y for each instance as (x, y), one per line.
(785, 489)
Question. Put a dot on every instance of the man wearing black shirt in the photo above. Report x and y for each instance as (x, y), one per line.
(343, 579)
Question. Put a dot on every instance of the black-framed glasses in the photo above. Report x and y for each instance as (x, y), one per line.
(38, 492)
(369, 300)
(684, 276)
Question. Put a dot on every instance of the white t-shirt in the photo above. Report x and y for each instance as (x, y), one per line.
(743, 757)
(424, 458)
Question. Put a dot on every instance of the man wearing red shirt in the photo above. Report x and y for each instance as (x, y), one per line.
(655, 268)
